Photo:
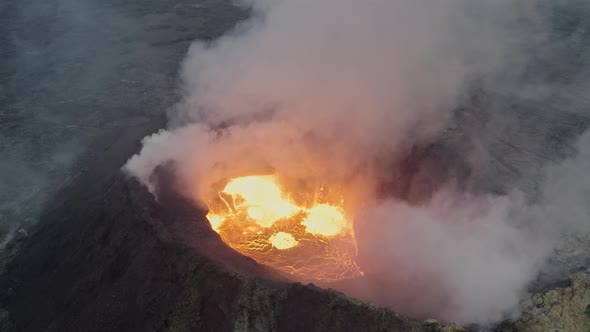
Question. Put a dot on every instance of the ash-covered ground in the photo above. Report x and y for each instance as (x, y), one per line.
(82, 82)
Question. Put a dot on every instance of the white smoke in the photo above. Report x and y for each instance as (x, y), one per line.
(327, 89)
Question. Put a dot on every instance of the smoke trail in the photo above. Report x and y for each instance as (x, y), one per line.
(340, 90)
(362, 81)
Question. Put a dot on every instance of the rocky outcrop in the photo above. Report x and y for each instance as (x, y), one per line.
(563, 308)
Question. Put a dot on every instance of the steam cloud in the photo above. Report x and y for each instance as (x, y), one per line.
(337, 90)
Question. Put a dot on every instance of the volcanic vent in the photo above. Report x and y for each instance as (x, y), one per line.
(305, 232)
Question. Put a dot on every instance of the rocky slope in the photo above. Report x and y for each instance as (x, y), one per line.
(563, 308)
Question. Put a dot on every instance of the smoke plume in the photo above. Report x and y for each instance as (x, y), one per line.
(339, 91)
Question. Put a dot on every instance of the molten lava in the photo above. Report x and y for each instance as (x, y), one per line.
(311, 238)
(282, 240)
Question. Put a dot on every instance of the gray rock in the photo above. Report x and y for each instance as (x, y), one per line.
(563, 308)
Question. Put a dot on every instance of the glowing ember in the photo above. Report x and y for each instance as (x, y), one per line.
(325, 220)
(262, 199)
(255, 217)
(215, 221)
(282, 240)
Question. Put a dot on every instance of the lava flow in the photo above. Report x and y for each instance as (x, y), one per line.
(306, 234)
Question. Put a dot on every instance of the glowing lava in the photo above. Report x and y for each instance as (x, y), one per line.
(261, 197)
(325, 220)
(282, 240)
(312, 239)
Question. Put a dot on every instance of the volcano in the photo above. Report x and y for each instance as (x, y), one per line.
(259, 248)
(107, 255)
(135, 263)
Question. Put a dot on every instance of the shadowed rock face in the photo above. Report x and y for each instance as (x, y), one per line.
(566, 307)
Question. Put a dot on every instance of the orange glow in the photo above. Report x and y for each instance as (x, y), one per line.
(262, 199)
(311, 239)
(325, 220)
(215, 221)
(282, 240)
